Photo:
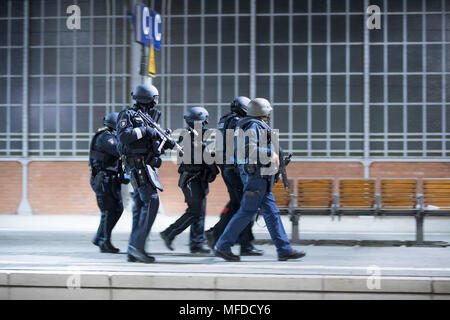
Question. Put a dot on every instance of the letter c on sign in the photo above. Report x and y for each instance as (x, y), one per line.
(156, 22)
(145, 24)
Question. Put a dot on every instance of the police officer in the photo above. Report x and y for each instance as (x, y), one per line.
(257, 186)
(194, 178)
(106, 179)
(230, 175)
(139, 143)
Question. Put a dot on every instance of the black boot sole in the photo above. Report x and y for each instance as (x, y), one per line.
(131, 258)
(109, 250)
(251, 254)
(291, 257)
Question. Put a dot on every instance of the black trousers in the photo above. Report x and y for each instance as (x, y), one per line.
(197, 233)
(109, 201)
(195, 197)
(145, 208)
(235, 189)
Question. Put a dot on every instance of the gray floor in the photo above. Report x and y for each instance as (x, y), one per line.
(59, 243)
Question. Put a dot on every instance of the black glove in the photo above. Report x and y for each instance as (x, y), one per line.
(170, 144)
(149, 131)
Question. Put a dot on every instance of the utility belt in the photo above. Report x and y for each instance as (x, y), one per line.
(144, 174)
(186, 177)
(255, 170)
(104, 180)
(138, 159)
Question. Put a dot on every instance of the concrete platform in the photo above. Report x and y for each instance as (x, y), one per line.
(51, 257)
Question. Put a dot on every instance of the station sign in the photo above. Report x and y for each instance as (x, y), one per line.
(148, 25)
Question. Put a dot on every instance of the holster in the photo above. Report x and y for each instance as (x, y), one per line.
(139, 178)
(98, 181)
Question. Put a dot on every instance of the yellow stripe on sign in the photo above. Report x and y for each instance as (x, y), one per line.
(151, 62)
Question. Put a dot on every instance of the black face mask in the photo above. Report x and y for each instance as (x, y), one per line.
(146, 107)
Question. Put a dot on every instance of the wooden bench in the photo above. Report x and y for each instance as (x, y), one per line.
(315, 195)
(356, 197)
(398, 197)
(436, 197)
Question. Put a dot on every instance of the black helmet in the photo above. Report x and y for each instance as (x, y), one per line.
(145, 94)
(196, 114)
(240, 105)
(110, 120)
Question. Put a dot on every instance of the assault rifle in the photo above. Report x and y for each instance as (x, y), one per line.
(164, 135)
(284, 161)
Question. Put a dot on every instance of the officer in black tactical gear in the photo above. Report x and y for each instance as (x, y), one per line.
(230, 175)
(139, 144)
(194, 179)
(106, 179)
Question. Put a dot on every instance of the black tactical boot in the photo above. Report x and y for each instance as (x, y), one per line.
(95, 241)
(227, 255)
(107, 247)
(251, 251)
(210, 238)
(135, 255)
(167, 240)
(294, 254)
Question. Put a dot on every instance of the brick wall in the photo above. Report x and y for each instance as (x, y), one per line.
(410, 170)
(62, 187)
(10, 186)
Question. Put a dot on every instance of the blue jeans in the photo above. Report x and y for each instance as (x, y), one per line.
(257, 194)
(235, 189)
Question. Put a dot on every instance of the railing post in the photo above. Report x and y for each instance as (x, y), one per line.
(24, 206)
(419, 228)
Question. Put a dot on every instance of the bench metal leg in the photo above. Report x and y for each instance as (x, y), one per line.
(419, 228)
(295, 229)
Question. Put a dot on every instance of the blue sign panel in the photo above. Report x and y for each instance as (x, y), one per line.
(148, 25)
(156, 30)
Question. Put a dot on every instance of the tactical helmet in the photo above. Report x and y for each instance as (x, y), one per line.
(259, 107)
(196, 114)
(110, 120)
(145, 94)
(240, 105)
